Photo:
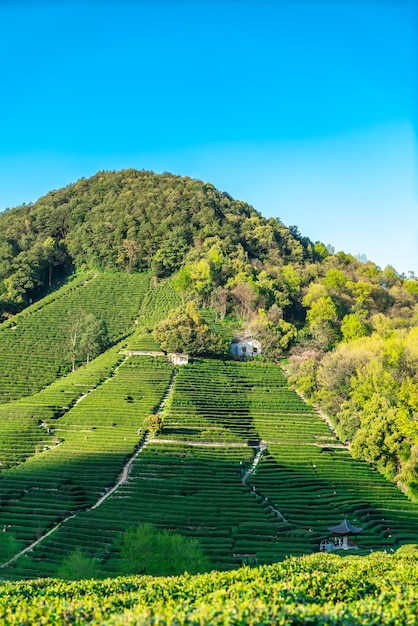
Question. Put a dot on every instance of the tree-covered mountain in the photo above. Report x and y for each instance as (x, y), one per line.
(137, 220)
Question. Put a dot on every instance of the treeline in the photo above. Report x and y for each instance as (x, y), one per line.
(357, 358)
(137, 220)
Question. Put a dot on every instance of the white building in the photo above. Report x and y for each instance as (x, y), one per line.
(244, 347)
(178, 358)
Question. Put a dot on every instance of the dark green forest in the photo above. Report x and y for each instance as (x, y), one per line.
(347, 328)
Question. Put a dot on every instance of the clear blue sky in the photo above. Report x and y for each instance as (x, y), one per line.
(306, 110)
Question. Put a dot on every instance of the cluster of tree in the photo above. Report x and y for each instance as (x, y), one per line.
(369, 384)
(87, 338)
(185, 330)
(142, 550)
(137, 220)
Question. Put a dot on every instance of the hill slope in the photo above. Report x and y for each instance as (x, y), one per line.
(352, 325)
(133, 220)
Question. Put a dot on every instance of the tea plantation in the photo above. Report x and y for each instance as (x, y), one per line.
(241, 464)
(205, 475)
(35, 345)
(317, 589)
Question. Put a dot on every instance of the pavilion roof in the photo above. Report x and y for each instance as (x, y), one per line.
(345, 528)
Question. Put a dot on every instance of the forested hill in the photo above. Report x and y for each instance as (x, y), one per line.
(349, 325)
(137, 220)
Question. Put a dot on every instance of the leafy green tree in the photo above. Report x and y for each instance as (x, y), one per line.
(78, 566)
(93, 338)
(183, 282)
(23, 278)
(170, 255)
(352, 327)
(186, 331)
(9, 545)
(275, 334)
(143, 550)
(128, 254)
(153, 423)
(87, 337)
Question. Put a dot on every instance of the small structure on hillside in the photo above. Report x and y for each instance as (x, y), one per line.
(245, 346)
(177, 358)
(345, 537)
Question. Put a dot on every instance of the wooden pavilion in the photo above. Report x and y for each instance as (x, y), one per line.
(342, 533)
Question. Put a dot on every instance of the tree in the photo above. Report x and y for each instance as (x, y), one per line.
(9, 545)
(143, 550)
(87, 337)
(275, 336)
(93, 337)
(186, 331)
(220, 298)
(246, 297)
(129, 253)
(352, 327)
(153, 423)
(169, 255)
(78, 566)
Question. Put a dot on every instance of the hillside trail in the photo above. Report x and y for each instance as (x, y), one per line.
(210, 444)
(261, 448)
(124, 476)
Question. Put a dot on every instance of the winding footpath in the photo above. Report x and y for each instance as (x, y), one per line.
(261, 448)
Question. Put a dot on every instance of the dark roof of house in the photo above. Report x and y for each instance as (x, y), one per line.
(345, 528)
(244, 338)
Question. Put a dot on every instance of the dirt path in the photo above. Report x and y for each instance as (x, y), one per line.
(253, 465)
(211, 444)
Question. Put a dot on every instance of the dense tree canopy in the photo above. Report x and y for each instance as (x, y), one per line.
(136, 220)
(186, 331)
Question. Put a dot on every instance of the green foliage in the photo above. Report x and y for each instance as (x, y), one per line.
(369, 385)
(275, 335)
(9, 545)
(87, 337)
(352, 327)
(154, 423)
(78, 566)
(135, 220)
(186, 331)
(319, 589)
(144, 550)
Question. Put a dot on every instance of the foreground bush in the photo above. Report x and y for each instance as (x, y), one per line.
(316, 589)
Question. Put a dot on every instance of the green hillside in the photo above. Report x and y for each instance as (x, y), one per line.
(348, 325)
(203, 476)
(36, 346)
(101, 436)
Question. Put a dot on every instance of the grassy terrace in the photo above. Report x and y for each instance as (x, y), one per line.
(35, 346)
(190, 478)
(95, 439)
(26, 425)
(157, 303)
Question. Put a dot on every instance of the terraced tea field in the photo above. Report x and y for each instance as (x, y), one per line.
(35, 344)
(93, 440)
(205, 475)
